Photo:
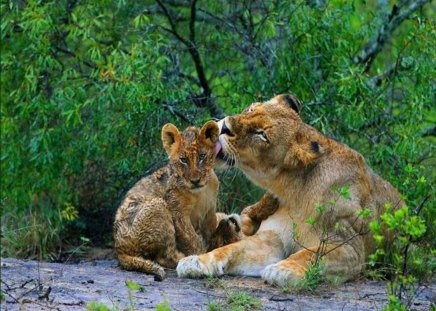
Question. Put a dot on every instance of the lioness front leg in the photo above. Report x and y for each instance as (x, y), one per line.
(340, 261)
(253, 215)
(246, 257)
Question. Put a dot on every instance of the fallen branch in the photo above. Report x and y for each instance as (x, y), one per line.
(277, 298)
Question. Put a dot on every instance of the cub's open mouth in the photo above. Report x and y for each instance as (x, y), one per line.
(220, 155)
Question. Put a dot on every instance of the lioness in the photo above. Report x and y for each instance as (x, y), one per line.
(171, 213)
(299, 167)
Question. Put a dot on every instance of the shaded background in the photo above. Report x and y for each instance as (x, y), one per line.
(86, 87)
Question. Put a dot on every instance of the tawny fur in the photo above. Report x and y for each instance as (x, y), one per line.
(228, 231)
(253, 215)
(299, 167)
(171, 213)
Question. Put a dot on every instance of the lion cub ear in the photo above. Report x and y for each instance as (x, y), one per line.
(209, 133)
(170, 137)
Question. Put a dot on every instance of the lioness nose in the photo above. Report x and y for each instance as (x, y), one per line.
(225, 129)
(195, 182)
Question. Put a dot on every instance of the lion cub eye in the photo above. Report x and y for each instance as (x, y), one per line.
(183, 160)
(261, 134)
(202, 157)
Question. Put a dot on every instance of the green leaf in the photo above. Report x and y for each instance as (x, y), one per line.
(365, 213)
(319, 208)
(163, 306)
(97, 306)
(133, 286)
(311, 220)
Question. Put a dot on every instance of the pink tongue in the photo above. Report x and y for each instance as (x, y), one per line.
(218, 147)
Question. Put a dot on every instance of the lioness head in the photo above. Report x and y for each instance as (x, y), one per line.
(191, 153)
(268, 137)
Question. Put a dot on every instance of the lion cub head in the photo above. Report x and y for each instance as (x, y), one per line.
(191, 153)
(268, 137)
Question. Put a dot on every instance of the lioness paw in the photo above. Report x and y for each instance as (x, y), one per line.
(192, 267)
(276, 274)
(248, 226)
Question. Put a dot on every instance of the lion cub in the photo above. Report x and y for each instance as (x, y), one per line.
(171, 213)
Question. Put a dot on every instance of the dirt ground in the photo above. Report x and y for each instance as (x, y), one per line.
(33, 285)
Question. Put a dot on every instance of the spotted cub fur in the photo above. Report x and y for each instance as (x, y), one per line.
(171, 213)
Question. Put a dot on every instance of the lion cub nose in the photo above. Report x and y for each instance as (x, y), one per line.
(195, 182)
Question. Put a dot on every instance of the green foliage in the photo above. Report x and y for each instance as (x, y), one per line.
(133, 286)
(312, 277)
(87, 86)
(407, 228)
(97, 306)
(235, 301)
(215, 306)
(163, 306)
(241, 301)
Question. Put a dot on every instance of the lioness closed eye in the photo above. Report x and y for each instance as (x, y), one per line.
(299, 167)
(171, 213)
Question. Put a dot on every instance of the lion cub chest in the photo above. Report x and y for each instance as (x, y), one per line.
(200, 204)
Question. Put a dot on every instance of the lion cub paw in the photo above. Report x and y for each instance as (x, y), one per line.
(276, 274)
(192, 267)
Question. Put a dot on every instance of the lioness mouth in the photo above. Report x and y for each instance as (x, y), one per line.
(220, 155)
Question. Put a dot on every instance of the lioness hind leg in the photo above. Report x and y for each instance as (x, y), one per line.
(136, 263)
(340, 261)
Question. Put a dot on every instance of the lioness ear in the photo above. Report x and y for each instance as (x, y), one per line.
(303, 151)
(292, 101)
(209, 133)
(170, 137)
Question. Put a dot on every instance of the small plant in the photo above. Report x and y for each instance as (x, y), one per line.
(313, 276)
(133, 286)
(98, 306)
(163, 306)
(239, 301)
(213, 282)
(215, 306)
(408, 228)
(243, 301)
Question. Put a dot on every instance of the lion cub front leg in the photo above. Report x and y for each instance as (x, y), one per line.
(253, 215)
(188, 241)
